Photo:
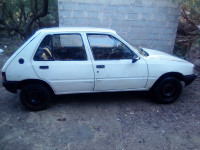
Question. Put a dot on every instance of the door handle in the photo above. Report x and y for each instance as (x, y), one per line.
(44, 67)
(100, 66)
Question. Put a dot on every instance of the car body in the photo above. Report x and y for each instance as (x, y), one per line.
(85, 60)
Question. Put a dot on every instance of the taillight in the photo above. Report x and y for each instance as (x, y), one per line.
(3, 76)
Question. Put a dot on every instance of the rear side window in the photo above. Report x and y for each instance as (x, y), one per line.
(65, 47)
(44, 51)
(68, 47)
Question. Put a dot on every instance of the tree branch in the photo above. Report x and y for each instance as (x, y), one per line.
(21, 14)
(36, 7)
(43, 13)
(11, 16)
(187, 19)
(3, 10)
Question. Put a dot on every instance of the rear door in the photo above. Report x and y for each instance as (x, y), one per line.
(63, 62)
(113, 65)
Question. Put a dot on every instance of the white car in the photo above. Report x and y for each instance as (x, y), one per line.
(86, 60)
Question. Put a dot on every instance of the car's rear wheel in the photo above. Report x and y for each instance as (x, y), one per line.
(35, 97)
(167, 90)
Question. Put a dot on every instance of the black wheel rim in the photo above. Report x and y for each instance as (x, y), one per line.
(168, 90)
(35, 98)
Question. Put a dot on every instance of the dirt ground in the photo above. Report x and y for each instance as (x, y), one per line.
(103, 121)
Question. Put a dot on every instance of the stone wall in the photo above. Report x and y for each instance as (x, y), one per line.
(146, 23)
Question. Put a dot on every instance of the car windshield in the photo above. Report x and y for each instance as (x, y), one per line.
(141, 51)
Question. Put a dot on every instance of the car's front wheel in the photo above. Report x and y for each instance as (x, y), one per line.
(35, 97)
(167, 90)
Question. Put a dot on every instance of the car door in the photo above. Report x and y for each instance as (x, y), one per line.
(113, 66)
(63, 62)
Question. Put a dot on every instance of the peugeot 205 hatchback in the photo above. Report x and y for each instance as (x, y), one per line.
(85, 60)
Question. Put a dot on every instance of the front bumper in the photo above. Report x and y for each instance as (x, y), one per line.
(189, 79)
(11, 86)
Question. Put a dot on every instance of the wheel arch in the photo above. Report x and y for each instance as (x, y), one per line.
(169, 74)
(36, 81)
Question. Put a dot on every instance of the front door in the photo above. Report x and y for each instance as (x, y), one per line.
(113, 67)
(62, 61)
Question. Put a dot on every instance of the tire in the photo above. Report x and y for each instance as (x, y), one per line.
(167, 90)
(35, 97)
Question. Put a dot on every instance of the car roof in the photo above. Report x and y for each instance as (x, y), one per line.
(76, 29)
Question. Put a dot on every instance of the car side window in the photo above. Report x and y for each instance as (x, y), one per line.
(107, 47)
(68, 47)
(44, 51)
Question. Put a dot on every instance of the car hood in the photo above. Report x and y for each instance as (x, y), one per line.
(154, 54)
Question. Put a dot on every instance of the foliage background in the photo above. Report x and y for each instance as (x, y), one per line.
(18, 13)
(192, 8)
(11, 40)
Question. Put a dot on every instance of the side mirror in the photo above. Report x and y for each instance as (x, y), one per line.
(135, 59)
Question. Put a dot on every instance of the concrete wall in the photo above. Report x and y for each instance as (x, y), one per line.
(147, 23)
